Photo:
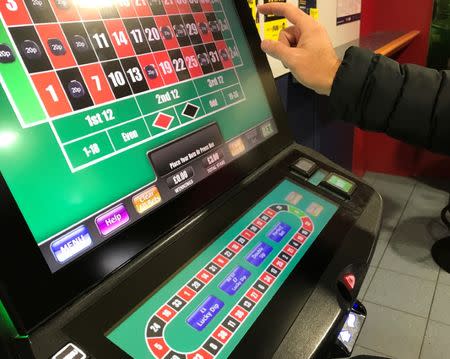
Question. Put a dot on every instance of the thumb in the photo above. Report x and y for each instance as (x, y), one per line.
(277, 50)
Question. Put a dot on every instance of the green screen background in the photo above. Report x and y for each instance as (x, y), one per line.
(53, 198)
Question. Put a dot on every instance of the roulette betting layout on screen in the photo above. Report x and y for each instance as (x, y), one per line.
(112, 108)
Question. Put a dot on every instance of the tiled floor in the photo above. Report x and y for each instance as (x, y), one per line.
(406, 294)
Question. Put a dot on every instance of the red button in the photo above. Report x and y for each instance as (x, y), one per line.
(247, 234)
(350, 281)
(307, 224)
(222, 334)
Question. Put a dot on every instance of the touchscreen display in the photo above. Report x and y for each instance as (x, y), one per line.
(207, 308)
(111, 108)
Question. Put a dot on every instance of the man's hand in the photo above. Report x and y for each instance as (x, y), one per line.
(304, 48)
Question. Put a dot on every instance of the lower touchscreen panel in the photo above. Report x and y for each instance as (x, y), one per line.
(207, 308)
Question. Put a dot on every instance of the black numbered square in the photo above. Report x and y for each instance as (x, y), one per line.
(279, 207)
(253, 228)
(231, 324)
(196, 285)
(214, 26)
(213, 346)
(79, 43)
(284, 256)
(214, 56)
(247, 304)
(6, 54)
(56, 47)
(203, 59)
(175, 355)
(100, 40)
(134, 74)
(304, 232)
(227, 253)
(195, 6)
(177, 303)
(117, 79)
(179, 30)
(213, 268)
(264, 217)
(295, 244)
(136, 34)
(157, 7)
(192, 29)
(155, 327)
(179, 65)
(261, 286)
(63, 4)
(152, 34)
(75, 88)
(274, 271)
(31, 49)
(241, 240)
(40, 11)
(109, 12)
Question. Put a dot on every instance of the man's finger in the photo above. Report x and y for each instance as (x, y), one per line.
(289, 11)
(277, 50)
(289, 36)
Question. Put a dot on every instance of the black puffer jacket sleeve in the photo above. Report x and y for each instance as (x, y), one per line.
(407, 102)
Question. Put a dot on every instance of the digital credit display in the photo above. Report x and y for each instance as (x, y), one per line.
(109, 109)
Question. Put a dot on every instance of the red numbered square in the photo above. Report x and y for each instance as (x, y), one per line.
(203, 27)
(151, 71)
(224, 54)
(186, 293)
(290, 250)
(207, 5)
(65, 14)
(158, 346)
(235, 247)
(254, 295)
(259, 223)
(119, 38)
(192, 64)
(279, 263)
(166, 313)
(222, 334)
(167, 34)
(125, 9)
(248, 234)
(141, 7)
(98, 85)
(267, 278)
(299, 238)
(171, 7)
(55, 42)
(183, 6)
(269, 212)
(14, 12)
(51, 93)
(89, 12)
(200, 354)
(220, 260)
(239, 313)
(165, 68)
(204, 276)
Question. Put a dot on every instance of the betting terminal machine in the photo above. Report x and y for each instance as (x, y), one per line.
(153, 203)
